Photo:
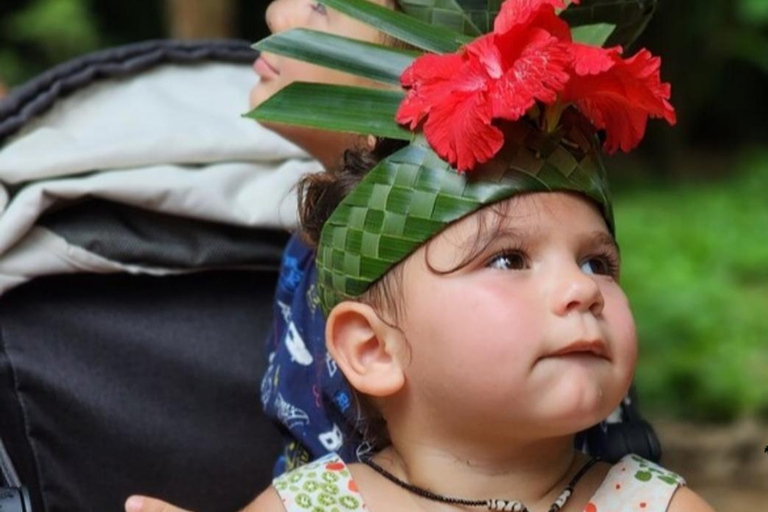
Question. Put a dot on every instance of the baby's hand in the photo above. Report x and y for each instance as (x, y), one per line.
(146, 504)
(268, 501)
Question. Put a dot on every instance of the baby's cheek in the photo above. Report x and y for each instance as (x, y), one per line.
(622, 328)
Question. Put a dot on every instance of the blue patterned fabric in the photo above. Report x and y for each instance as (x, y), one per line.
(303, 389)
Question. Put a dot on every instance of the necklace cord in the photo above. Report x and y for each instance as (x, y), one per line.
(492, 504)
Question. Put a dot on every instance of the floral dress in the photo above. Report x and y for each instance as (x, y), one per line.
(633, 484)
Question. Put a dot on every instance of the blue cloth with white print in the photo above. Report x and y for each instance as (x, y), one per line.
(303, 389)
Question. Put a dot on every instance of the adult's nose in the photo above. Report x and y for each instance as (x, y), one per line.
(576, 290)
(278, 15)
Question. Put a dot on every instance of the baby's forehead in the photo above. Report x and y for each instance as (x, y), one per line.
(530, 213)
(526, 222)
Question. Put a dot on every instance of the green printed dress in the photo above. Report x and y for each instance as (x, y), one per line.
(632, 485)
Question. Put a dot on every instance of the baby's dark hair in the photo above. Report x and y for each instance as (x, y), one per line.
(319, 195)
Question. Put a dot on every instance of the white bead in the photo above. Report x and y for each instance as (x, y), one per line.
(506, 506)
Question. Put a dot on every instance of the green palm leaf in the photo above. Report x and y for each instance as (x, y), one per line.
(401, 26)
(629, 16)
(451, 14)
(368, 60)
(336, 108)
(593, 35)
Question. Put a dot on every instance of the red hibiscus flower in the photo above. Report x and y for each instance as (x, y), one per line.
(540, 13)
(618, 95)
(529, 58)
(498, 76)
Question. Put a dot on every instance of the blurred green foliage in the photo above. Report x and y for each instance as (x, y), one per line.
(695, 266)
(37, 34)
(715, 54)
(42, 32)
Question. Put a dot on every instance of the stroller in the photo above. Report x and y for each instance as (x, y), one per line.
(141, 229)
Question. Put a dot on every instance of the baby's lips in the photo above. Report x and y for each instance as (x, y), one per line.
(596, 347)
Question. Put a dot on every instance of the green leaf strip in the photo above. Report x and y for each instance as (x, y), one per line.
(335, 108)
(629, 16)
(450, 14)
(368, 60)
(593, 35)
(401, 26)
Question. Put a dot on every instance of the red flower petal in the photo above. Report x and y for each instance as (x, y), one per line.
(533, 13)
(412, 110)
(522, 12)
(485, 52)
(456, 105)
(430, 68)
(621, 98)
(538, 72)
(429, 78)
(461, 133)
(592, 60)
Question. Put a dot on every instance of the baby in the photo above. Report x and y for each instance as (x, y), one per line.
(484, 351)
(471, 284)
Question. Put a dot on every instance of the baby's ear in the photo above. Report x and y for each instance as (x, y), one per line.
(367, 349)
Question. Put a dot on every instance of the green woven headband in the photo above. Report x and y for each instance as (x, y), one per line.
(413, 195)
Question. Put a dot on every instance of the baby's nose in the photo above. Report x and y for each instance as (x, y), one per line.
(577, 291)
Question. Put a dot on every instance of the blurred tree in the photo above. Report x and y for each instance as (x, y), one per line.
(42, 32)
(201, 19)
(718, 92)
(126, 22)
(750, 42)
(250, 21)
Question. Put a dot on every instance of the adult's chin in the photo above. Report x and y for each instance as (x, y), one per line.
(258, 95)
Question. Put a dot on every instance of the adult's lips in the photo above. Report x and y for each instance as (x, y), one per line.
(265, 69)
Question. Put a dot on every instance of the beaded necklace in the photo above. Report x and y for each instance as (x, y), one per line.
(490, 504)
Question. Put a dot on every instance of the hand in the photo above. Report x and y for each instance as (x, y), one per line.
(267, 501)
(146, 504)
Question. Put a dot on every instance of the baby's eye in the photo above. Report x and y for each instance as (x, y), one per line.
(508, 261)
(319, 8)
(600, 265)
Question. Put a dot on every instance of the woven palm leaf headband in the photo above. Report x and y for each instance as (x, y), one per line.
(514, 110)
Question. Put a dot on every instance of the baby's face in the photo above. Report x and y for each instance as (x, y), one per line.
(534, 335)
